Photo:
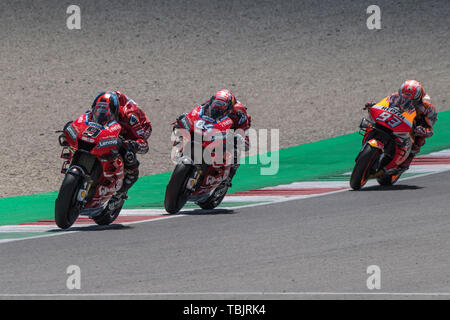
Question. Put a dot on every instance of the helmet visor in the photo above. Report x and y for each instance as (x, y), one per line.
(218, 108)
(101, 113)
(406, 102)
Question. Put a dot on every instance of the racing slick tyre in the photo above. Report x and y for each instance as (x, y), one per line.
(108, 216)
(361, 171)
(388, 179)
(66, 204)
(176, 193)
(215, 199)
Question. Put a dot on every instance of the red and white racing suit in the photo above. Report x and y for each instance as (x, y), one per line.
(241, 121)
(136, 130)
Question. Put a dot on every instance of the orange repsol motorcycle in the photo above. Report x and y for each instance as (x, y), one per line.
(387, 142)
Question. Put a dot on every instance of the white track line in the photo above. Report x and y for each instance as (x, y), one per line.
(54, 231)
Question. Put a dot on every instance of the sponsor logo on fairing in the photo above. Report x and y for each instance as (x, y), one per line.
(107, 143)
(72, 132)
(211, 180)
(87, 139)
(114, 126)
(185, 124)
(103, 190)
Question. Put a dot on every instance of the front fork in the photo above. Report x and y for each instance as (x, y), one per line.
(84, 190)
(402, 150)
(376, 170)
(374, 143)
(194, 181)
(86, 183)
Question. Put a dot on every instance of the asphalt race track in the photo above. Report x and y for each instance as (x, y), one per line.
(321, 245)
(305, 67)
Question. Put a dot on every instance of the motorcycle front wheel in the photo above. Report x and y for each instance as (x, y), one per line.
(176, 195)
(361, 171)
(66, 204)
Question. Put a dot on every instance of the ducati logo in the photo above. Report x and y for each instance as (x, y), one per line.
(211, 180)
(103, 190)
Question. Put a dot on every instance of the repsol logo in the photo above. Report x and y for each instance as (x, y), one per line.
(394, 111)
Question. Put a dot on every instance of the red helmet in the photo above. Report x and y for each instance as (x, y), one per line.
(105, 107)
(220, 104)
(411, 92)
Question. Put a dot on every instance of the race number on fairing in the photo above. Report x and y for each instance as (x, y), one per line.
(393, 120)
(201, 124)
(92, 132)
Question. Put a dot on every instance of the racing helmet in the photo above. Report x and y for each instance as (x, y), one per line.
(105, 107)
(411, 93)
(220, 104)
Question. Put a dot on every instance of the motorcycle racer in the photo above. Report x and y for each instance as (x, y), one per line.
(412, 96)
(224, 104)
(110, 107)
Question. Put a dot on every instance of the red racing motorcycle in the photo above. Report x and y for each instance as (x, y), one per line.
(204, 153)
(94, 172)
(387, 143)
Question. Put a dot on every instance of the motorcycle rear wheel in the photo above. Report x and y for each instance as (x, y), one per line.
(214, 200)
(66, 208)
(388, 179)
(362, 167)
(176, 195)
(108, 216)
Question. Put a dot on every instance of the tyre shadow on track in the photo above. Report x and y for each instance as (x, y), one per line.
(94, 228)
(197, 212)
(398, 187)
(200, 212)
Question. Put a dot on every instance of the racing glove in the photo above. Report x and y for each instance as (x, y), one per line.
(132, 146)
(135, 147)
(421, 131)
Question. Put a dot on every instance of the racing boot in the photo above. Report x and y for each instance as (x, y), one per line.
(121, 195)
(128, 181)
(233, 170)
(419, 142)
(405, 165)
(131, 176)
